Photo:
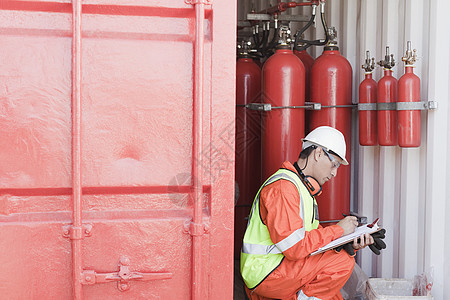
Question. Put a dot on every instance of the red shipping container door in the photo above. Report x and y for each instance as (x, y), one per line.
(117, 149)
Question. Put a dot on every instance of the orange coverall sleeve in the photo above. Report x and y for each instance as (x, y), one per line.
(280, 212)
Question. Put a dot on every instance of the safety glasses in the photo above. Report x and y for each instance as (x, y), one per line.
(333, 160)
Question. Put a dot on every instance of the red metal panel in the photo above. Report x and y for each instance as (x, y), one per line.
(110, 142)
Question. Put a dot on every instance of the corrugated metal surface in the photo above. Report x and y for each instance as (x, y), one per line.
(106, 120)
(407, 188)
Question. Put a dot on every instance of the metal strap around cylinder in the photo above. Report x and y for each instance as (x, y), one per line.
(387, 106)
(411, 105)
(291, 106)
(417, 105)
(308, 106)
(339, 106)
(367, 106)
(315, 106)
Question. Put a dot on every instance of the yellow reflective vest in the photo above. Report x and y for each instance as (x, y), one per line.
(259, 255)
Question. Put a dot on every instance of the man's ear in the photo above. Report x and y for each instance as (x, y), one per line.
(317, 153)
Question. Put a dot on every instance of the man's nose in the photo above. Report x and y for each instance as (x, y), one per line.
(334, 172)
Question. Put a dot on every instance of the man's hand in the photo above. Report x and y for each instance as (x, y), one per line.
(358, 243)
(349, 224)
(363, 241)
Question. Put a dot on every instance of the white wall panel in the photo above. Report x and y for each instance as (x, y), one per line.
(368, 168)
(437, 229)
(409, 189)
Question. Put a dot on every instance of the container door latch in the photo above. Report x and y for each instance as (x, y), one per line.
(123, 277)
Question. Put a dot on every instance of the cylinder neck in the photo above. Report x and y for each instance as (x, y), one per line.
(334, 52)
(368, 75)
(409, 69)
(331, 48)
(283, 50)
(283, 47)
(387, 72)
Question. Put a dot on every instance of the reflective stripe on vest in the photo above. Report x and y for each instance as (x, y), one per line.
(259, 255)
(279, 247)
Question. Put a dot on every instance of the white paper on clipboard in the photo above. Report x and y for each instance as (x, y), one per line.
(347, 238)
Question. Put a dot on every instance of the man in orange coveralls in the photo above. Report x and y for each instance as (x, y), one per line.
(283, 228)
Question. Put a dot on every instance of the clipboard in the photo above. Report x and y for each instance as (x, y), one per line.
(368, 228)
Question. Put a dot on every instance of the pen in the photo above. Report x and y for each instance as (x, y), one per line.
(373, 224)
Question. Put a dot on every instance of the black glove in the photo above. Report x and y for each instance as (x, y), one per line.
(347, 247)
(378, 243)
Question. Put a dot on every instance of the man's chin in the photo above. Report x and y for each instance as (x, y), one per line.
(324, 181)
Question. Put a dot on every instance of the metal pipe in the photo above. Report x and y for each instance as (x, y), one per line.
(314, 2)
(283, 6)
(197, 171)
(76, 231)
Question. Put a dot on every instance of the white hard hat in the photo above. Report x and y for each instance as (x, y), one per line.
(328, 138)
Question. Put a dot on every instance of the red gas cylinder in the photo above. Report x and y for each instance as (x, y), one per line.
(409, 121)
(248, 143)
(308, 62)
(368, 94)
(387, 93)
(283, 85)
(331, 85)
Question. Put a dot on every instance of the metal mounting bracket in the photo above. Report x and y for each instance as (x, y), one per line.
(259, 106)
(123, 276)
(313, 106)
(77, 233)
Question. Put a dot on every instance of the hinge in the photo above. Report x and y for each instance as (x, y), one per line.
(196, 229)
(123, 276)
(77, 233)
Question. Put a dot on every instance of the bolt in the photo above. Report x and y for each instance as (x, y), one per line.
(88, 278)
(124, 261)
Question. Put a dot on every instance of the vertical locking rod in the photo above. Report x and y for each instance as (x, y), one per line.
(76, 237)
